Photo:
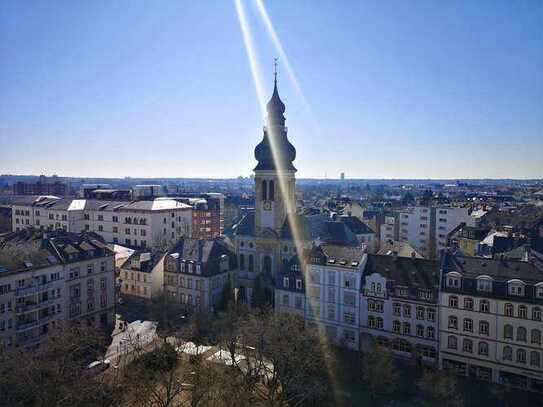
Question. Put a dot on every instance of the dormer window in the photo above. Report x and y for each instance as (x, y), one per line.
(516, 287)
(484, 284)
(198, 269)
(285, 282)
(453, 280)
(539, 290)
(298, 284)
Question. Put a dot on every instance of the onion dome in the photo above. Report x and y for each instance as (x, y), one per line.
(284, 153)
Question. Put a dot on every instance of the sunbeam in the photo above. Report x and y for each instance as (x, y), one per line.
(251, 55)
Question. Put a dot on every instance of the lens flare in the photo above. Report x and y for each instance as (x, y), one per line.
(251, 55)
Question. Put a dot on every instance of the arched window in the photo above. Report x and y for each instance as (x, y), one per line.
(267, 266)
(264, 190)
(272, 190)
(452, 342)
(535, 359)
(468, 303)
(507, 353)
(467, 345)
(536, 336)
(483, 348)
(508, 331)
(453, 322)
(241, 262)
(251, 263)
(484, 306)
(536, 314)
(484, 328)
(521, 356)
(522, 311)
(508, 310)
(521, 334)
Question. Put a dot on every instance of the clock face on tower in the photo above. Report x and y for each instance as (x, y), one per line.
(267, 205)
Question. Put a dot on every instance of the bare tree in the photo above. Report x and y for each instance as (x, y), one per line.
(441, 388)
(378, 371)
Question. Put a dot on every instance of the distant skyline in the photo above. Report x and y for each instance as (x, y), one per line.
(395, 89)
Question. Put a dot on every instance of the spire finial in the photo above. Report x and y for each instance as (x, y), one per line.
(275, 70)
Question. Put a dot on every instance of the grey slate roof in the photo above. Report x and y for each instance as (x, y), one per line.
(356, 225)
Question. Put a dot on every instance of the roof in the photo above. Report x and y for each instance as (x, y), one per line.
(206, 252)
(356, 225)
(313, 227)
(499, 269)
(142, 260)
(33, 249)
(404, 271)
(100, 205)
(401, 249)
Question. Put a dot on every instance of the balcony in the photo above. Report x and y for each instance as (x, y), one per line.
(33, 306)
(34, 323)
(34, 288)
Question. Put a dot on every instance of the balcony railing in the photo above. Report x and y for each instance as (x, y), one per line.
(34, 323)
(33, 306)
(33, 289)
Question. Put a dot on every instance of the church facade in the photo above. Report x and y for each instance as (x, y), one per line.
(267, 238)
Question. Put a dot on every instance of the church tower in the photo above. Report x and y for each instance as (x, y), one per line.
(274, 174)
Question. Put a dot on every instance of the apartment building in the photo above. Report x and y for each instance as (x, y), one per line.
(196, 272)
(154, 223)
(399, 306)
(328, 295)
(49, 278)
(387, 231)
(427, 228)
(142, 275)
(491, 320)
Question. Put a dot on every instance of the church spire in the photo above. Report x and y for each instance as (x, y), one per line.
(275, 106)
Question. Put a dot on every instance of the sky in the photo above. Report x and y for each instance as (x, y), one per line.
(389, 89)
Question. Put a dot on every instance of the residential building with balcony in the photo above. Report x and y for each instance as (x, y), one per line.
(491, 322)
(50, 278)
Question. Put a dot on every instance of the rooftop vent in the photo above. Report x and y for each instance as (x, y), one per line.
(342, 262)
(354, 263)
(331, 261)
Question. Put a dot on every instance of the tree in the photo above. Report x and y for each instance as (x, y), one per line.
(227, 296)
(166, 312)
(55, 373)
(378, 371)
(441, 388)
(258, 299)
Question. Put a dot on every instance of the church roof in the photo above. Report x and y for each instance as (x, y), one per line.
(314, 227)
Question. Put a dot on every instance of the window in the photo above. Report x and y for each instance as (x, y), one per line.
(420, 312)
(396, 309)
(467, 345)
(407, 310)
(536, 314)
(468, 325)
(452, 342)
(298, 284)
(298, 302)
(251, 263)
(430, 332)
(483, 348)
(264, 190)
(536, 336)
(484, 328)
(508, 310)
(431, 314)
(406, 328)
(453, 281)
(379, 323)
(241, 262)
(468, 304)
(516, 287)
(535, 359)
(349, 317)
(484, 284)
(484, 306)
(507, 353)
(285, 282)
(522, 311)
(521, 334)
(285, 300)
(272, 190)
(396, 327)
(349, 299)
(453, 301)
(371, 322)
(420, 330)
(521, 356)
(508, 331)
(453, 322)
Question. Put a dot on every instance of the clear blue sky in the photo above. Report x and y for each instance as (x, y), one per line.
(397, 89)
